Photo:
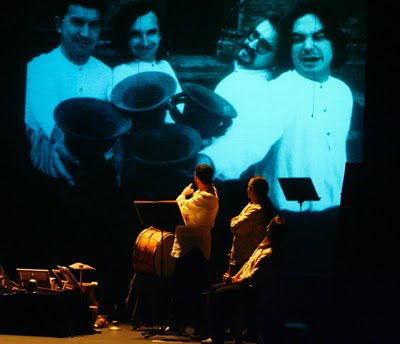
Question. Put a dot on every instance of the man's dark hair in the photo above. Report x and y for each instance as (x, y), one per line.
(260, 187)
(273, 18)
(205, 173)
(278, 231)
(331, 22)
(92, 4)
(123, 20)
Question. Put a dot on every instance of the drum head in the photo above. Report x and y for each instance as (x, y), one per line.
(153, 251)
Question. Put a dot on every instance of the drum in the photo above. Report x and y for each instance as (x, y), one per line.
(147, 252)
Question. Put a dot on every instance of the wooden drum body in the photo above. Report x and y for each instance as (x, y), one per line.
(147, 252)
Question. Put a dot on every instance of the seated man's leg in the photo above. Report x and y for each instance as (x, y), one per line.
(225, 307)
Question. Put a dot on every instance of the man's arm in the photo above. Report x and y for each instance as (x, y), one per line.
(259, 268)
(41, 100)
(227, 278)
(244, 222)
(197, 200)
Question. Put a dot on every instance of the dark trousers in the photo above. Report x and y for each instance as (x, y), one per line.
(190, 280)
(228, 305)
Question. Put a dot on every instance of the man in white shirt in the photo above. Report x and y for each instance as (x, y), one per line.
(67, 71)
(192, 248)
(199, 213)
(314, 109)
(314, 114)
(245, 88)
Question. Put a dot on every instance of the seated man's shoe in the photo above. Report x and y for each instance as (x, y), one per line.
(212, 341)
(174, 329)
(169, 329)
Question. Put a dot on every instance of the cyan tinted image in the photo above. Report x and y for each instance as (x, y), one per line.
(260, 98)
(124, 99)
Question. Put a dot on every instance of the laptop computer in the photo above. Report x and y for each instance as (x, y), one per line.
(42, 276)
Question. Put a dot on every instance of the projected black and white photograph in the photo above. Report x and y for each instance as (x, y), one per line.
(189, 163)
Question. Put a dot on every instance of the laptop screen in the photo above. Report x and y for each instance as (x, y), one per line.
(42, 276)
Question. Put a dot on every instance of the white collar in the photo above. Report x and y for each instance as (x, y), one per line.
(266, 73)
(68, 62)
(298, 76)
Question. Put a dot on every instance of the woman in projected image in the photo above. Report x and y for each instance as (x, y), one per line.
(137, 36)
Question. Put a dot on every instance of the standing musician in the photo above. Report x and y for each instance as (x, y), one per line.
(249, 226)
(192, 248)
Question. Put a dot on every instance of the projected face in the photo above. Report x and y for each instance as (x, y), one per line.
(311, 50)
(80, 31)
(144, 37)
(259, 48)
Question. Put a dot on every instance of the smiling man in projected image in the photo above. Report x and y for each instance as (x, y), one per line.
(245, 88)
(137, 36)
(67, 71)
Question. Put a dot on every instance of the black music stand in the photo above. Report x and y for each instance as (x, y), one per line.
(299, 189)
(159, 214)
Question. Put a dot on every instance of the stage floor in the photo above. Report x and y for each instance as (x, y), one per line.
(104, 336)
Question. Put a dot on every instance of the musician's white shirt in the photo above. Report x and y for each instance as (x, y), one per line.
(253, 264)
(199, 213)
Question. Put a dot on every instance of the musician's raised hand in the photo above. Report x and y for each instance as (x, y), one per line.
(187, 191)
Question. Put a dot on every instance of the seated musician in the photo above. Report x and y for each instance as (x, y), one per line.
(255, 284)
